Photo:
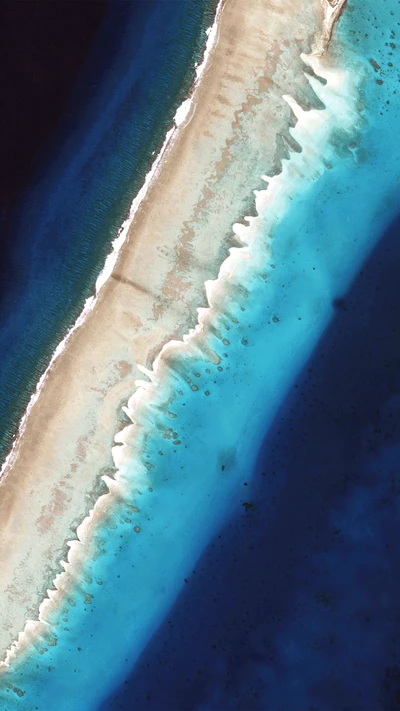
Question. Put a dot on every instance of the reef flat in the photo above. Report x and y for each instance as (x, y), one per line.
(237, 130)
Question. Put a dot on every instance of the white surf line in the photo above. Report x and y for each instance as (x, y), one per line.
(312, 130)
(180, 117)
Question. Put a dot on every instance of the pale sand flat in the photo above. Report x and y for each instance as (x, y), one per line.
(178, 239)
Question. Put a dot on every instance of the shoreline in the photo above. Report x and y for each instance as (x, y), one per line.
(123, 281)
(278, 194)
(119, 241)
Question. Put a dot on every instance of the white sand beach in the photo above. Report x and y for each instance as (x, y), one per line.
(236, 131)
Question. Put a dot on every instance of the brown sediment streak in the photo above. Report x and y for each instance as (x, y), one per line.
(332, 10)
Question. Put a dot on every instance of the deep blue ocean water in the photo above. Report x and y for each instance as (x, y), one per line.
(288, 602)
(139, 67)
(295, 603)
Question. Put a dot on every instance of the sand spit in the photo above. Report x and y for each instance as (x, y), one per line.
(235, 131)
(332, 10)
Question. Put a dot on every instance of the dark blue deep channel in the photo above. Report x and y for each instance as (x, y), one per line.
(295, 606)
(90, 90)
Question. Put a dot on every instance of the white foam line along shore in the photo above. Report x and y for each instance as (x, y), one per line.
(180, 117)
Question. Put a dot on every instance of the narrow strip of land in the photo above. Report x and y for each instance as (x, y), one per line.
(178, 239)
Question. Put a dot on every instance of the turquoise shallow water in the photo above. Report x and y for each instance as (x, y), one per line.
(268, 329)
